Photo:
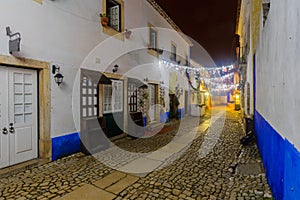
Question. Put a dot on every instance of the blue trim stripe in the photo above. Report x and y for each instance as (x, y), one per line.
(292, 172)
(65, 145)
(280, 158)
(180, 113)
(168, 116)
(163, 117)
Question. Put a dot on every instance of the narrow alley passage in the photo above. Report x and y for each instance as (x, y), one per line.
(213, 166)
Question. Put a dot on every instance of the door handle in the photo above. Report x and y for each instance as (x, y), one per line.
(11, 128)
(5, 131)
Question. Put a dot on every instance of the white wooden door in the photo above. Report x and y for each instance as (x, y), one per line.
(4, 136)
(20, 119)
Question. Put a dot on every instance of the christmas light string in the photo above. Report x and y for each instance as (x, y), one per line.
(205, 73)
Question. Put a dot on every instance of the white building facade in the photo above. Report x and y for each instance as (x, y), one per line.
(41, 119)
(269, 33)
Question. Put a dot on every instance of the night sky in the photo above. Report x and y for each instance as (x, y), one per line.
(210, 22)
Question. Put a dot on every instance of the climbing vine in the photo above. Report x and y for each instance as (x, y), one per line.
(190, 82)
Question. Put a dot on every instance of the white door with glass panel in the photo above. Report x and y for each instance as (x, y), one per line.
(18, 115)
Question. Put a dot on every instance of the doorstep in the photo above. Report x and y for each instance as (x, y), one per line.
(117, 137)
(14, 169)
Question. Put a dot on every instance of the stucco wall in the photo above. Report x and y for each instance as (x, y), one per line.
(275, 83)
(65, 32)
(277, 69)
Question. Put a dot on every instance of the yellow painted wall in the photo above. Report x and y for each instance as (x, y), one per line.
(255, 22)
(172, 82)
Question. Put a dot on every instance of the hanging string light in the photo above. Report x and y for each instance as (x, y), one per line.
(215, 78)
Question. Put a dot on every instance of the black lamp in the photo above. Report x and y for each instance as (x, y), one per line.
(115, 69)
(14, 40)
(58, 77)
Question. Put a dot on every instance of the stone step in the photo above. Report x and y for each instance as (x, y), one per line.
(154, 125)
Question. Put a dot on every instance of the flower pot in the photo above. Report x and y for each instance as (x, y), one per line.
(160, 51)
(104, 21)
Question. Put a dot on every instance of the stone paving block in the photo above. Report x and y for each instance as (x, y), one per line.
(185, 139)
(122, 184)
(109, 179)
(88, 192)
(250, 169)
(203, 127)
(172, 147)
(159, 155)
(196, 172)
(141, 166)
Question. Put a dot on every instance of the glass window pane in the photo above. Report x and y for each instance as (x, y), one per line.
(28, 108)
(28, 98)
(19, 109)
(84, 112)
(28, 88)
(18, 88)
(90, 101)
(18, 98)
(19, 119)
(18, 77)
(28, 118)
(27, 78)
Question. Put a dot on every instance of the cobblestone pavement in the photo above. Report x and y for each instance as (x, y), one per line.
(214, 166)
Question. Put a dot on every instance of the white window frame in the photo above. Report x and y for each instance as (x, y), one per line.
(113, 98)
(115, 17)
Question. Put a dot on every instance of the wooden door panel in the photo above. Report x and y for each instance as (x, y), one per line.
(4, 138)
(23, 138)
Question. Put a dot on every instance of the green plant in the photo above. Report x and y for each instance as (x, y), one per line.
(103, 15)
(145, 95)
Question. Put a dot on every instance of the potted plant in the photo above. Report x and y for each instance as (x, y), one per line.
(104, 19)
(160, 51)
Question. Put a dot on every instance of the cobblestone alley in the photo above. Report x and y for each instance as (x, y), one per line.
(211, 164)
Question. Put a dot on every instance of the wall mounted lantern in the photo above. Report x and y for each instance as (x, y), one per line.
(115, 69)
(58, 77)
(127, 33)
(14, 40)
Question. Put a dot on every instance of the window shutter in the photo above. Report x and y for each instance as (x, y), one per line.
(152, 38)
(89, 96)
(115, 17)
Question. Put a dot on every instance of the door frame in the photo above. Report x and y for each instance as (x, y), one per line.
(43, 74)
(186, 102)
(125, 97)
(156, 93)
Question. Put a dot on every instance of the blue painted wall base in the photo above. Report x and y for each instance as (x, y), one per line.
(65, 145)
(180, 113)
(280, 158)
(163, 118)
